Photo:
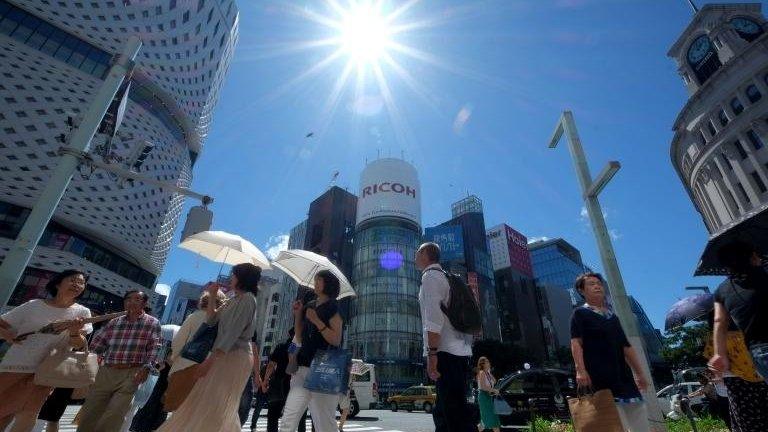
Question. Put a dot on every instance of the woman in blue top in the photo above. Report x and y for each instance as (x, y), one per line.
(604, 357)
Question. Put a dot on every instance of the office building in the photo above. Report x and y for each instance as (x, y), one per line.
(475, 261)
(385, 327)
(284, 317)
(557, 263)
(53, 60)
(718, 148)
(182, 301)
(651, 337)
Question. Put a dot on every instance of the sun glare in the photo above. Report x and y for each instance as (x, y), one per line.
(365, 35)
(368, 39)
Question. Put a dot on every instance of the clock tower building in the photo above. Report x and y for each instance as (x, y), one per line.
(720, 143)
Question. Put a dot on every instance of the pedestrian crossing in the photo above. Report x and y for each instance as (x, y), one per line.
(65, 425)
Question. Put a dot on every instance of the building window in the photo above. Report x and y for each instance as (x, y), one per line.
(172, 5)
(753, 94)
(702, 138)
(743, 192)
(711, 128)
(740, 149)
(759, 182)
(722, 117)
(736, 105)
(757, 143)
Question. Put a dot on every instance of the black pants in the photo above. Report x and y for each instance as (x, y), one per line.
(275, 411)
(451, 412)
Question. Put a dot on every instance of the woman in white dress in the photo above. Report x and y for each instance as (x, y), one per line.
(20, 398)
(181, 377)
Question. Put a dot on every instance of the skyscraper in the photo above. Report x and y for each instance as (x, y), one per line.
(475, 261)
(718, 148)
(519, 315)
(330, 231)
(385, 325)
(53, 59)
(331, 227)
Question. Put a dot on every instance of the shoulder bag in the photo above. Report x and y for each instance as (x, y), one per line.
(200, 345)
(65, 368)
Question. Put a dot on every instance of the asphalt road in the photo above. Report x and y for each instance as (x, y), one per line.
(366, 421)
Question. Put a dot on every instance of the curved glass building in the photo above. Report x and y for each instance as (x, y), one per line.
(385, 327)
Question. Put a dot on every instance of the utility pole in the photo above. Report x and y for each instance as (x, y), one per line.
(18, 256)
(591, 189)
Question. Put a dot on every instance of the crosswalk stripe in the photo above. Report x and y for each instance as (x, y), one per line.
(361, 429)
(65, 425)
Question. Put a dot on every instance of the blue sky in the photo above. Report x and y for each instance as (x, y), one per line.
(506, 69)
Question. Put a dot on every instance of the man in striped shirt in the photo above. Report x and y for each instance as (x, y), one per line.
(128, 347)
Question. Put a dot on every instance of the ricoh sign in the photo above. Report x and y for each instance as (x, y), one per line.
(389, 188)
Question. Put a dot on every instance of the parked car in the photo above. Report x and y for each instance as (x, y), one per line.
(664, 396)
(545, 391)
(414, 398)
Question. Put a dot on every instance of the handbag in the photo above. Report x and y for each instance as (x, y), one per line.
(200, 345)
(740, 360)
(64, 368)
(594, 411)
(501, 407)
(329, 372)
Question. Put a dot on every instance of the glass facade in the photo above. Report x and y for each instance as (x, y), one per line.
(57, 237)
(557, 263)
(385, 326)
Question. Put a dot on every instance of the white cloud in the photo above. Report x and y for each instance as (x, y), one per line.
(537, 239)
(275, 245)
(462, 118)
(584, 215)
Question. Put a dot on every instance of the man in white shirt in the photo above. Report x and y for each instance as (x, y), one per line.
(448, 351)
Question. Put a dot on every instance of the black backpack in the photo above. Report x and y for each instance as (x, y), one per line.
(462, 309)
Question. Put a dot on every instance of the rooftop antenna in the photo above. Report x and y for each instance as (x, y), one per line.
(693, 6)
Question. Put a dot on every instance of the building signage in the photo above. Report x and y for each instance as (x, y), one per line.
(450, 239)
(519, 255)
(389, 188)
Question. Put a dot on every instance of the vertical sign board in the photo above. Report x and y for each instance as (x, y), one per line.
(519, 255)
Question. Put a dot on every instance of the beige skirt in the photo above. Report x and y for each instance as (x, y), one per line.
(213, 403)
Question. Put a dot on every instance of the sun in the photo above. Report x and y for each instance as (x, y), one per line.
(366, 44)
(365, 35)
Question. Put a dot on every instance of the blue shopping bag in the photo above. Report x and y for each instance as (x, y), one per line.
(329, 372)
(501, 407)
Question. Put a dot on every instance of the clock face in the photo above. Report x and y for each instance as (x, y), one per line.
(699, 49)
(746, 26)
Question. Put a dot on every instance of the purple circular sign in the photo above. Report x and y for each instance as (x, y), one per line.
(391, 260)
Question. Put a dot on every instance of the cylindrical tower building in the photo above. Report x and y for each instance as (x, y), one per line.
(385, 321)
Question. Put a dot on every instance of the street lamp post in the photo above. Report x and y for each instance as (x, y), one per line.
(591, 189)
(18, 256)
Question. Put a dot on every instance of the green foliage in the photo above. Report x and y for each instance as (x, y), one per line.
(706, 424)
(684, 346)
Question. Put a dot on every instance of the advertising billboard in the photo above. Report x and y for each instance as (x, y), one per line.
(389, 188)
(519, 256)
(450, 239)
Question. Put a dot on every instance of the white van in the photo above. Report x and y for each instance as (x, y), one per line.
(365, 389)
